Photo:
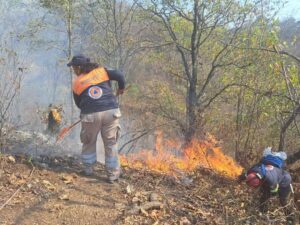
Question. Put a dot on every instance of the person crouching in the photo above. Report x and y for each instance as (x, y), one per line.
(273, 180)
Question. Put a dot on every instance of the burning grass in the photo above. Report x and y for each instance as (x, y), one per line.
(197, 154)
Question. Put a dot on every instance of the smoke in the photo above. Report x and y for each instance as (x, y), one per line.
(38, 42)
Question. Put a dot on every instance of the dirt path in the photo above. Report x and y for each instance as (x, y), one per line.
(57, 197)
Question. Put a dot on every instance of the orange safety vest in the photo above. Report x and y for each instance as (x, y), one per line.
(94, 77)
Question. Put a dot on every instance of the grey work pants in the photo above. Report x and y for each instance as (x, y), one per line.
(106, 123)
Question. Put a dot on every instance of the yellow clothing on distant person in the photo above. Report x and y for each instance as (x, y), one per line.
(56, 115)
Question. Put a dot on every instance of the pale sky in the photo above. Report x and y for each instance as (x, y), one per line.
(291, 8)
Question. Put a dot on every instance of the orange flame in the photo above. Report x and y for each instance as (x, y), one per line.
(197, 154)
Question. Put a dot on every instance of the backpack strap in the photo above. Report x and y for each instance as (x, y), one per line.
(259, 169)
(263, 170)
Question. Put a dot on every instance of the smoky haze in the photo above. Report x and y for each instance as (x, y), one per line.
(40, 63)
(39, 39)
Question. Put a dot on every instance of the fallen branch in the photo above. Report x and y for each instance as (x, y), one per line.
(16, 192)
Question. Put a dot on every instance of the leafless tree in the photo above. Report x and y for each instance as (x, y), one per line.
(10, 83)
(117, 32)
(217, 24)
(64, 12)
(292, 89)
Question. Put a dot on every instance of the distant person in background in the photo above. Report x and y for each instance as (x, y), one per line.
(273, 180)
(100, 113)
(54, 119)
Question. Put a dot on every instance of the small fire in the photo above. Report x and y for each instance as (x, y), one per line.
(197, 154)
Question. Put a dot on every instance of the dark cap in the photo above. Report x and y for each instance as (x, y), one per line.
(78, 60)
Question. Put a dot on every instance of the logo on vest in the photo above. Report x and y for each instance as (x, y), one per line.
(95, 92)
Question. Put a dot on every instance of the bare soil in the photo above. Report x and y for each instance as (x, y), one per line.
(53, 191)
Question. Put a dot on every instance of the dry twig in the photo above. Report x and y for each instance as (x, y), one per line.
(16, 192)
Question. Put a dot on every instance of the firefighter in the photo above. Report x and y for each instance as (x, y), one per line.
(100, 113)
(54, 119)
(273, 180)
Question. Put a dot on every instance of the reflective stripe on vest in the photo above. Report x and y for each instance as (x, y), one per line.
(94, 77)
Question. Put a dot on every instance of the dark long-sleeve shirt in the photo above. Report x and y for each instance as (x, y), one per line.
(276, 178)
(93, 92)
(273, 177)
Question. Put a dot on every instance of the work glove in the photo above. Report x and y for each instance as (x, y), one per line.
(274, 190)
(241, 178)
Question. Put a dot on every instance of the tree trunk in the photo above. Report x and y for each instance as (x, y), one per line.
(281, 140)
(285, 126)
(70, 53)
(238, 154)
(191, 111)
(293, 158)
(190, 130)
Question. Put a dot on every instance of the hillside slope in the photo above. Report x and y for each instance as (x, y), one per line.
(52, 191)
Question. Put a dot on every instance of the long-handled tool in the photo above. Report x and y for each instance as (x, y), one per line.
(66, 130)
